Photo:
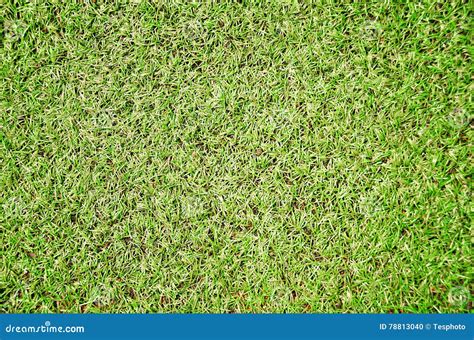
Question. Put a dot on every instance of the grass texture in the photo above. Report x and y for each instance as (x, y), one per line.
(253, 156)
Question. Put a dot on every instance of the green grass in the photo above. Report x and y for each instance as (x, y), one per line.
(238, 157)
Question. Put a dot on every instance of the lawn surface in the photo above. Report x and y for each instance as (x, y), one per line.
(235, 157)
